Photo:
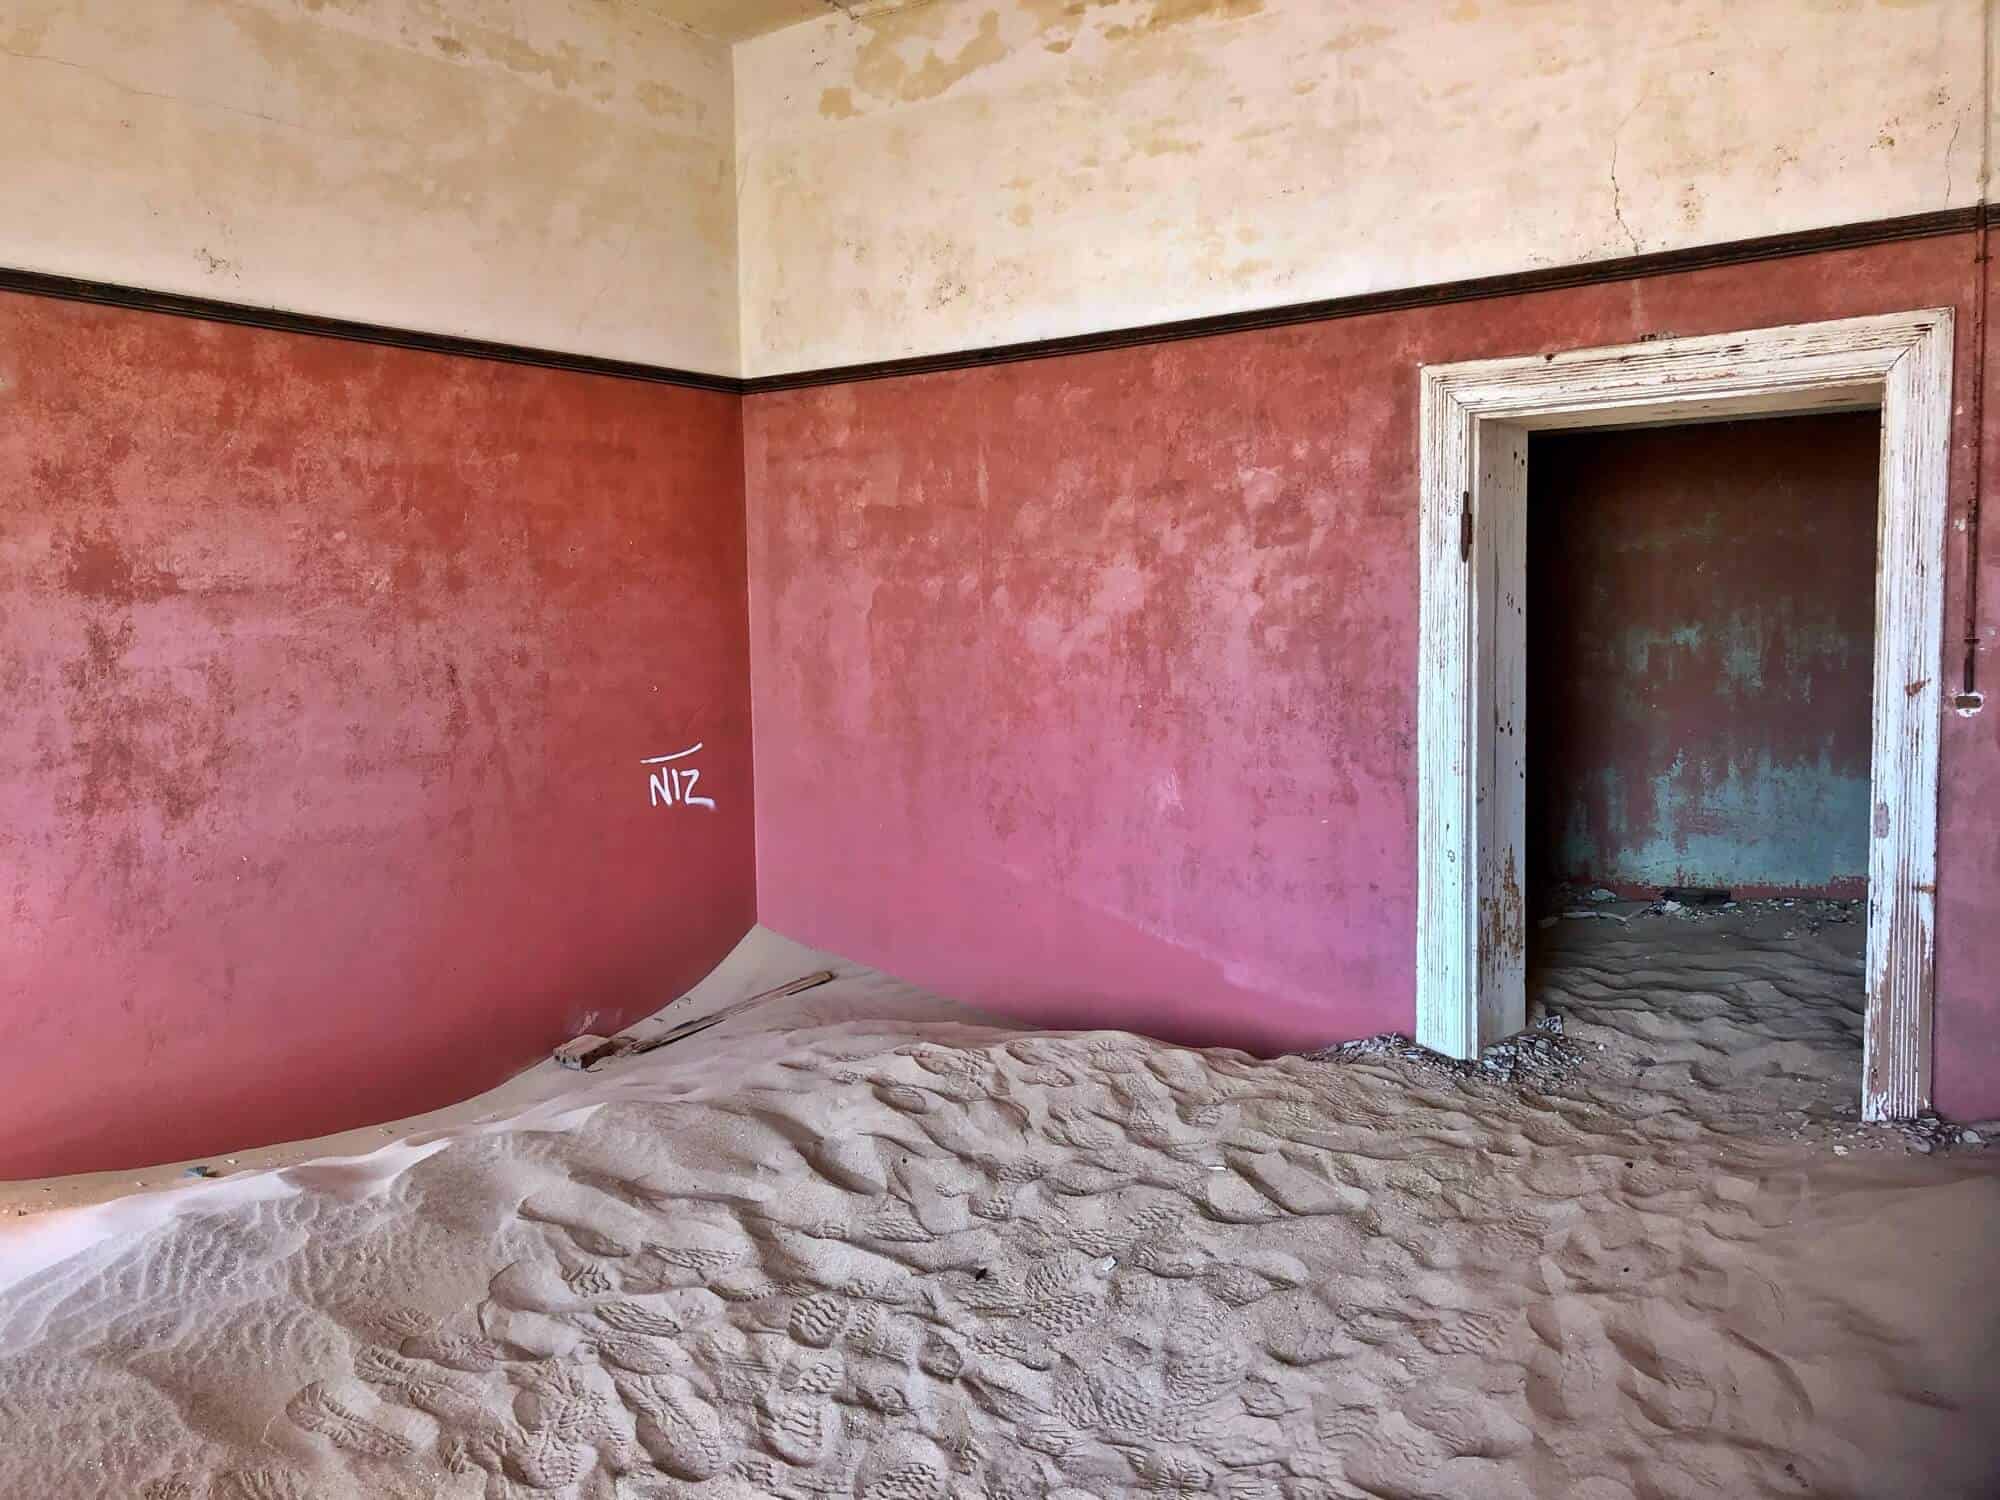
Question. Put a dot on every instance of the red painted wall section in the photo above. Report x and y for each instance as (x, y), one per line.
(1966, 1034)
(329, 672)
(1057, 689)
(1086, 688)
(1701, 632)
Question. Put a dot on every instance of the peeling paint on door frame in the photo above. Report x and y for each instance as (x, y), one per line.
(1471, 820)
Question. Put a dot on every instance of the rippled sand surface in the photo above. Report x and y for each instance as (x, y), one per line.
(859, 1244)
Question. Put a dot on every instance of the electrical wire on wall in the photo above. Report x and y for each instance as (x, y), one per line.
(1970, 699)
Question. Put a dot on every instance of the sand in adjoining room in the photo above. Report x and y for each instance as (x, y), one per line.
(865, 1243)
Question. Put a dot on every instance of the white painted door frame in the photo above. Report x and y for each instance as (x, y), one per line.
(1471, 790)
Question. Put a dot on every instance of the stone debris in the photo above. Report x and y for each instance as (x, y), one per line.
(1695, 904)
(1584, 914)
(1812, 915)
(583, 1053)
(1928, 1133)
(1696, 895)
(1540, 1054)
(1819, 1001)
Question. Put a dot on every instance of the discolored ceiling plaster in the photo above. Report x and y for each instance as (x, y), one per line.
(739, 20)
(1168, 159)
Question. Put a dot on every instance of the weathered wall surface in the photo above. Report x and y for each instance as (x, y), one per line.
(1700, 654)
(329, 671)
(976, 172)
(555, 174)
(1086, 688)
(946, 175)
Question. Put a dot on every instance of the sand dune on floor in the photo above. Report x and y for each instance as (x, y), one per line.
(860, 1243)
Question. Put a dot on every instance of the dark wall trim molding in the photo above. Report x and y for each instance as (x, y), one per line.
(109, 294)
(1625, 268)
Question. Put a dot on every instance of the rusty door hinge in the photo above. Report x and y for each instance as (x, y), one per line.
(1465, 530)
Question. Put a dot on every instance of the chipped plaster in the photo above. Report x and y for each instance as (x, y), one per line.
(554, 175)
(913, 176)
(977, 172)
(738, 20)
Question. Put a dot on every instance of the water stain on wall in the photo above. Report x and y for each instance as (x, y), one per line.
(1355, 37)
(1059, 23)
(564, 66)
(346, 157)
(1167, 13)
(887, 68)
(881, 69)
(662, 99)
(156, 739)
(97, 567)
(1482, 103)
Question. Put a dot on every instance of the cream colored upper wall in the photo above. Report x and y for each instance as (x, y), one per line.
(943, 175)
(545, 172)
(733, 20)
(976, 172)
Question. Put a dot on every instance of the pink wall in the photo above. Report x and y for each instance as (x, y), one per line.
(1701, 655)
(329, 670)
(1085, 688)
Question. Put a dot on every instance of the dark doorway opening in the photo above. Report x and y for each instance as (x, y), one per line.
(1700, 648)
(1700, 644)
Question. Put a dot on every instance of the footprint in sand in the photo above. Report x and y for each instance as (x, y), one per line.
(1056, 1298)
(1573, 1377)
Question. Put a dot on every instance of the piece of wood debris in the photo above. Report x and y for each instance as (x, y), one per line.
(585, 1053)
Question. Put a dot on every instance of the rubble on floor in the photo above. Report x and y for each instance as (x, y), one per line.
(1601, 904)
(1538, 1055)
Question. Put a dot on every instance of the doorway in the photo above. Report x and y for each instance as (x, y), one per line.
(1700, 646)
(1472, 700)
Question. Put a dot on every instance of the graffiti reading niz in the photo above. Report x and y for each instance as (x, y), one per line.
(673, 786)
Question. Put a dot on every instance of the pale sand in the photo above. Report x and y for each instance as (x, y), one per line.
(860, 1244)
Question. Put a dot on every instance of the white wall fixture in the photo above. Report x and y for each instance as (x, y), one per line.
(1471, 787)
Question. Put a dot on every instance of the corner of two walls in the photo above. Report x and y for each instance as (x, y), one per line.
(1084, 688)
(425, 605)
